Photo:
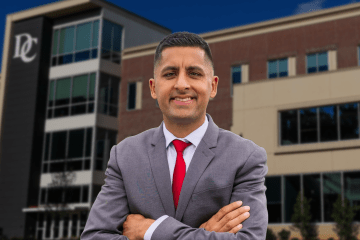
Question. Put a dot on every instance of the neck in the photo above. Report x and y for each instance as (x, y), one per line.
(182, 129)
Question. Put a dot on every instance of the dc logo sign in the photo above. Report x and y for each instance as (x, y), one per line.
(22, 50)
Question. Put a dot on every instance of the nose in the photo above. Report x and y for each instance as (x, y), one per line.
(182, 82)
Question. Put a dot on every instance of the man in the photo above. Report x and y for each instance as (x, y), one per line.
(146, 173)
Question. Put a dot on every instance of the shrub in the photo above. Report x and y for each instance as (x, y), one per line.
(270, 235)
(284, 234)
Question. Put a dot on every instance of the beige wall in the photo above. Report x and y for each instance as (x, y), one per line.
(256, 106)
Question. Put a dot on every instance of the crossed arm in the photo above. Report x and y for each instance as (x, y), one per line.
(110, 212)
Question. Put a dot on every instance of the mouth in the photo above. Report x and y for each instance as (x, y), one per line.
(183, 101)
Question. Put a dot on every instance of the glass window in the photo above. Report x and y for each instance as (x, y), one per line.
(88, 142)
(73, 194)
(58, 145)
(76, 143)
(85, 194)
(292, 189)
(47, 142)
(105, 139)
(75, 43)
(111, 41)
(132, 96)
(76, 89)
(313, 193)
(273, 196)
(66, 40)
(308, 125)
(108, 95)
(66, 226)
(328, 123)
(317, 62)
(48, 225)
(289, 127)
(331, 190)
(349, 124)
(96, 191)
(83, 36)
(74, 225)
(278, 68)
(352, 190)
(236, 74)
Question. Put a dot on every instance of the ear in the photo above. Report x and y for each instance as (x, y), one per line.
(152, 88)
(214, 85)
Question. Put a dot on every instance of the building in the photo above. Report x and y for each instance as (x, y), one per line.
(289, 84)
(61, 72)
(293, 87)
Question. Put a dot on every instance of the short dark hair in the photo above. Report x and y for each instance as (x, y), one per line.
(182, 39)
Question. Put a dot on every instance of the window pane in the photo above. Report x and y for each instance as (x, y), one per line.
(352, 190)
(62, 91)
(73, 195)
(283, 67)
(114, 91)
(236, 74)
(117, 37)
(92, 86)
(312, 192)
(331, 189)
(132, 95)
(83, 36)
(51, 93)
(322, 59)
(292, 189)
(85, 194)
(88, 142)
(311, 63)
(273, 69)
(100, 142)
(328, 123)
(79, 89)
(76, 143)
(308, 125)
(289, 125)
(273, 196)
(58, 145)
(349, 125)
(95, 39)
(47, 142)
(96, 191)
(55, 42)
(55, 195)
(66, 40)
(106, 35)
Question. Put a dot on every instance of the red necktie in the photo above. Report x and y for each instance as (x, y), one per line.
(180, 169)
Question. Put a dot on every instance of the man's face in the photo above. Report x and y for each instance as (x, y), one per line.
(183, 72)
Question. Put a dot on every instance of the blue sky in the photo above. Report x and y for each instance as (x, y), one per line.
(196, 16)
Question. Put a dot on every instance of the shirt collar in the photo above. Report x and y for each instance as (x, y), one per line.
(194, 137)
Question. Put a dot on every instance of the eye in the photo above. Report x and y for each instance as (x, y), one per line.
(168, 74)
(195, 74)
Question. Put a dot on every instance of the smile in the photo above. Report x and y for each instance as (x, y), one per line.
(180, 101)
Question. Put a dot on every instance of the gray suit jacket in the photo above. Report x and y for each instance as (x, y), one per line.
(225, 168)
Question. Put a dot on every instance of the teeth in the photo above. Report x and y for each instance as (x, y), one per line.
(182, 99)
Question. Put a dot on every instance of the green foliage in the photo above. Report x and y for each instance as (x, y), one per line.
(284, 234)
(301, 219)
(270, 235)
(343, 215)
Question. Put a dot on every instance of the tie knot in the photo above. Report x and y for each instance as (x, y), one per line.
(180, 145)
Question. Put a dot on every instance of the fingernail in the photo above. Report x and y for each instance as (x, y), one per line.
(247, 208)
(240, 225)
(239, 202)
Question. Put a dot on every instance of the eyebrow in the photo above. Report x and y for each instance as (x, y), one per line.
(187, 68)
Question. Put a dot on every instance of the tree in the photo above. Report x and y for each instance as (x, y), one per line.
(301, 218)
(270, 235)
(343, 215)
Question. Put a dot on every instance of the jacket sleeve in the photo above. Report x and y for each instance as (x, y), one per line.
(110, 209)
(248, 187)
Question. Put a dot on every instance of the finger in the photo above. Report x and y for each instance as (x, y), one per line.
(225, 210)
(234, 223)
(230, 216)
(236, 229)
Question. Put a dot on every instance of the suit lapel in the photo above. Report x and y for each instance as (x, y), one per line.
(160, 168)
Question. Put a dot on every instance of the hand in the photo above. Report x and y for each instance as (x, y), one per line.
(135, 226)
(228, 218)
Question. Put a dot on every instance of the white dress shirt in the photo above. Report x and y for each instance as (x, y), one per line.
(195, 138)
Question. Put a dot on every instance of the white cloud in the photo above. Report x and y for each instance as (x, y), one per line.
(309, 6)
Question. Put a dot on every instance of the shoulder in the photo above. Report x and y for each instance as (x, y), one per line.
(141, 139)
(234, 142)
